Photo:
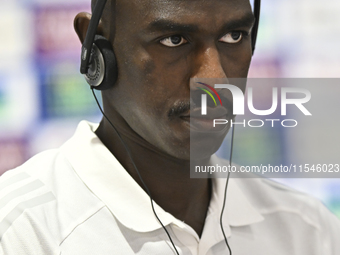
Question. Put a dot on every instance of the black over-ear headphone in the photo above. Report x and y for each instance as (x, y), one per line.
(98, 61)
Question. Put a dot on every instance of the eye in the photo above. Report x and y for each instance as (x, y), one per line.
(232, 37)
(173, 41)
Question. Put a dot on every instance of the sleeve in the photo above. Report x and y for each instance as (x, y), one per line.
(22, 239)
(24, 220)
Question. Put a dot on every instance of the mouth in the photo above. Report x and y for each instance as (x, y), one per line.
(205, 123)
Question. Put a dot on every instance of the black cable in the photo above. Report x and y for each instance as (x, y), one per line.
(134, 165)
(225, 190)
(257, 12)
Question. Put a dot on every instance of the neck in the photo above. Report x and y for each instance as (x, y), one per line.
(167, 178)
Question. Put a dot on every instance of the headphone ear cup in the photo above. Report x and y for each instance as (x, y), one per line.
(102, 73)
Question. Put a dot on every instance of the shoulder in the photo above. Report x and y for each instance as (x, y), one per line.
(272, 197)
(41, 202)
(269, 196)
(296, 214)
(293, 212)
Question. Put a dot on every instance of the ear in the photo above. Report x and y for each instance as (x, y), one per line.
(81, 23)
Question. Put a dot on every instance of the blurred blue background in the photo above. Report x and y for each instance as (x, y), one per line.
(43, 96)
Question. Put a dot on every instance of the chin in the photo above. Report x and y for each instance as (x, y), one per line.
(200, 147)
(189, 144)
(205, 144)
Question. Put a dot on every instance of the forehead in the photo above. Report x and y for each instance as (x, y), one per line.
(139, 13)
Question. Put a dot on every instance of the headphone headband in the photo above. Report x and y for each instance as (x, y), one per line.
(91, 32)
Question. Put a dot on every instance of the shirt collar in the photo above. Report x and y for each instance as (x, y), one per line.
(129, 203)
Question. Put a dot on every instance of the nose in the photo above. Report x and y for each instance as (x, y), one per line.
(208, 69)
(209, 65)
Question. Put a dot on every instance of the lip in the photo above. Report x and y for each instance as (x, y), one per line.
(212, 113)
(204, 123)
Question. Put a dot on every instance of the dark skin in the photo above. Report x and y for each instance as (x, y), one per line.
(159, 46)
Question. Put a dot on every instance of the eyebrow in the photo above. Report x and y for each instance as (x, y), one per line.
(247, 20)
(163, 25)
(171, 26)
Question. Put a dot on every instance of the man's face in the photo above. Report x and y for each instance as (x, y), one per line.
(160, 45)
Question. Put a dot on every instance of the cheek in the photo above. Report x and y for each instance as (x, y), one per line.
(159, 78)
(149, 87)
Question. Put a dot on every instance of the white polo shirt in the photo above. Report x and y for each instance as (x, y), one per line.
(78, 199)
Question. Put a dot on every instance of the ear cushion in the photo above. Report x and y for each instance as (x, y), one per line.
(103, 74)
